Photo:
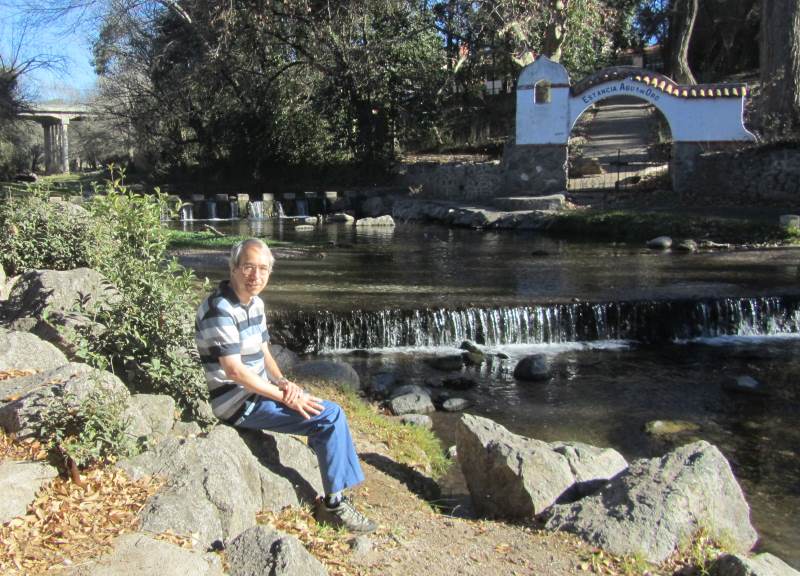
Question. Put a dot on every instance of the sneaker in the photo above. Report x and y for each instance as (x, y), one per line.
(344, 516)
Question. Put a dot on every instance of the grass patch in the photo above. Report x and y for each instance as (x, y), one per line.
(628, 226)
(206, 239)
(413, 446)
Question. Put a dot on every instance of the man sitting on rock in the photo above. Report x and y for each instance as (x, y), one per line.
(248, 390)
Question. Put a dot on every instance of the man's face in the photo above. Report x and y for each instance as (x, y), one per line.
(250, 277)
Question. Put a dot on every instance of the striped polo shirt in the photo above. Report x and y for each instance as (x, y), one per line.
(223, 327)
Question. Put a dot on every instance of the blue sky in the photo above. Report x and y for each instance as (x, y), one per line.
(57, 39)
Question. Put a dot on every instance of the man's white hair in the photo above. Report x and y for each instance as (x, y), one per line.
(236, 252)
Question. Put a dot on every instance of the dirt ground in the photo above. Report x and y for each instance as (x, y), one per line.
(413, 538)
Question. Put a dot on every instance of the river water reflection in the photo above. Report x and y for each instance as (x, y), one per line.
(603, 392)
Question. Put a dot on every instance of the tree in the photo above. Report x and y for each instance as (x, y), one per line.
(780, 68)
(684, 14)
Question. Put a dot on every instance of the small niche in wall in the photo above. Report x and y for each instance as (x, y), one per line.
(541, 92)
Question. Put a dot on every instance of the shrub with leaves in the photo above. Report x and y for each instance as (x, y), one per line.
(148, 339)
(37, 233)
(89, 431)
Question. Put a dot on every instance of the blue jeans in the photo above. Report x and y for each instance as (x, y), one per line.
(328, 435)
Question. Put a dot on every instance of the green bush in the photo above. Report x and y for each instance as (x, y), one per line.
(36, 233)
(91, 431)
(148, 338)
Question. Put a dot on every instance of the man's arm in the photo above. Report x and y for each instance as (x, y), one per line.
(299, 401)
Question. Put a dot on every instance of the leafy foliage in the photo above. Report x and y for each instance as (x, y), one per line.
(94, 430)
(149, 330)
(36, 233)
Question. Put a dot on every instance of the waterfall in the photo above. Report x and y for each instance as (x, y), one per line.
(257, 210)
(211, 207)
(643, 321)
(187, 212)
(234, 209)
(302, 207)
(279, 210)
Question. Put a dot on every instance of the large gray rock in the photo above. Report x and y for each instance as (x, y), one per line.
(214, 486)
(26, 351)
(591, 466)
(535, 367)
(19, 483)
(284, 357)
(33, 394)
(288, 457)
(153, 415)
(759, 565)
(655, 504)
(340, 374)
(261, 551)
(140, 555)
(511, 476)
(45, 302)
(411, 403)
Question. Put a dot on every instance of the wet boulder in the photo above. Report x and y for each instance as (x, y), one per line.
(744, 385)
(660, 243)
(384, 220)
(411, 403)
(533, 368)
(687, 245)
(670, 427)
(382, 384)
(456, 404)
(657, 503)
(419, 420)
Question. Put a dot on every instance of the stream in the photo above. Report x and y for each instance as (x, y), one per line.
(633, 336)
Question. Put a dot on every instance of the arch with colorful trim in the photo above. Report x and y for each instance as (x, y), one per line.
(548, 105)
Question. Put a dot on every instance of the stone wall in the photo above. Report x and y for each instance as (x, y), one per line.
(534, 170)
(470, 181)
(757, 175)
(530, 170)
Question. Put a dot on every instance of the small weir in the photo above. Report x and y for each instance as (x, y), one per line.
(642, 321)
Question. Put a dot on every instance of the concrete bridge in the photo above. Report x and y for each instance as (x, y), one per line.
(55, 119)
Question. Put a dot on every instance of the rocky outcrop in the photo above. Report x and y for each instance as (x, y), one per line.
(656, 503)
(46, 302)
(19, 483)
(511, 476)
(759, 565)
(23, 399)
(138, 553)
(339, 374)
(214, 487)
(26, 351)
(260, 551)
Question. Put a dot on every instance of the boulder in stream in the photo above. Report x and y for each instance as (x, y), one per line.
(535, 367)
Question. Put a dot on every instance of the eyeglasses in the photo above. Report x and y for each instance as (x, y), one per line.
(251, 268)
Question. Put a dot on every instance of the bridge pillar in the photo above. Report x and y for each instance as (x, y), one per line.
(56, 146)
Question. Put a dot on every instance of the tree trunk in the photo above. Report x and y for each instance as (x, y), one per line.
(780, 68)
(554, 35)
(684, 14)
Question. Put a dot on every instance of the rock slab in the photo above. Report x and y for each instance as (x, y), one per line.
(260, 551)
(656, 503)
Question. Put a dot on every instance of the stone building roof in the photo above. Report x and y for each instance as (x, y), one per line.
(660, 82)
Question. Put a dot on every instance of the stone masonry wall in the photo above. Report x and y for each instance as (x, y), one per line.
(470, 181)
(758, 175)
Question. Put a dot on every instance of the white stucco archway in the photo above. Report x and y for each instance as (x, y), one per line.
(699, 116)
